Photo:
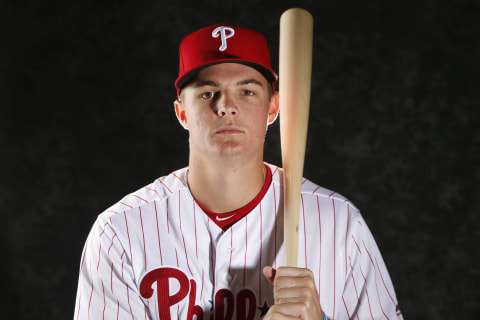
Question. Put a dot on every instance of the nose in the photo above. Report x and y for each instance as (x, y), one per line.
(226, 105)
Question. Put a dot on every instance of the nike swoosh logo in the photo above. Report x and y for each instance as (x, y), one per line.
(222, 219)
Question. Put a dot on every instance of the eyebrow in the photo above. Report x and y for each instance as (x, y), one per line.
(202, 83)
(248, 81)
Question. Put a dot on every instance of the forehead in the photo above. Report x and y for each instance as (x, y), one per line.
(230, 72)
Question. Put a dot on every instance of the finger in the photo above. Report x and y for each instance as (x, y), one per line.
(303, 294)
(292, 300)
(288, 311)
(294, 272)
(269, 273)
(277, 313)
(289, 282)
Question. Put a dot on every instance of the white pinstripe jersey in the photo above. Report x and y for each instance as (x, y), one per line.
(157, 255)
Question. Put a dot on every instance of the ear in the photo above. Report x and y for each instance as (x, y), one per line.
(273, 108)
(180, 113)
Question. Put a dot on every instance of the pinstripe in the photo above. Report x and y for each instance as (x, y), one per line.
(231, 251)
(354, 285)
(103, 230)
(211, 253)
(346, 309)
(260, 262)
(111, 279)
(201, 290)
(143, 238)
(366, 290)
(184, 184)
(122, 267)
(129, 305)
(378, 296)
(375, 279)
(104, 303)
(158, 233)
(138, 197)
(163, 183)
(128, 234)
(91, 294)
(214, 271)
(368, 253)
(181, 231)
(153, 190)
(111, 243)
(195, 227)
(168, 220)
(275, 235)
(355, 241)
(99, 255)
(126, 205)
(176, 256)
(383, 281)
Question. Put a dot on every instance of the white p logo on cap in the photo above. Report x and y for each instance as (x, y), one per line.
(222, 32)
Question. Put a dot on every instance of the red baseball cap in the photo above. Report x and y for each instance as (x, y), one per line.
(220, 43)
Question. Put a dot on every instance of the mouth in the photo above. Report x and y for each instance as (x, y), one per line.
(229, 131)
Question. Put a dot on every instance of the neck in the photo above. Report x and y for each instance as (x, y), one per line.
(225, 185)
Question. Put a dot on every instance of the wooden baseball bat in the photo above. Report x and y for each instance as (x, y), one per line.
(295, 71)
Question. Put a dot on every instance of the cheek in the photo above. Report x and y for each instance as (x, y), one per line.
(260, 124)
(198, 126)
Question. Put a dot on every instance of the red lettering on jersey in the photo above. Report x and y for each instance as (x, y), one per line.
(192, 308)
(220, 305)
(162, 277)
(243, 297)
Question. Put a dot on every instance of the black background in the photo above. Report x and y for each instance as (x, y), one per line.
(86, 98)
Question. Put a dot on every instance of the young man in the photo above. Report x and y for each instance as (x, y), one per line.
(207, 241)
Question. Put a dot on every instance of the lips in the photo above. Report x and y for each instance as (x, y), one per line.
(230, 130)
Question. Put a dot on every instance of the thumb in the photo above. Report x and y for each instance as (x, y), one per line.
(269, 273)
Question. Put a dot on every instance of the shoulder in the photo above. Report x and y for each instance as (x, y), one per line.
(311, 189)
(158, 190)
(311, 192)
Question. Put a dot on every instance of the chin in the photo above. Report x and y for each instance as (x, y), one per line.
(231, 150)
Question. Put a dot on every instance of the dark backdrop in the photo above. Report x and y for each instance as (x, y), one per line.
(87, 117)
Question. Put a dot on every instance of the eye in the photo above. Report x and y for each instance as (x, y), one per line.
(248, 92)
(208, 95)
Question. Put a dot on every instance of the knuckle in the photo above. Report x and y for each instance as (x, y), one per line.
(272, 313)
(307, 303)
(303, 308)
(309, 273)
(309, 284)
(306, 292)
(277, 280)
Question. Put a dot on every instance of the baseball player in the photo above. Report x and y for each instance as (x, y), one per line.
(206, 241)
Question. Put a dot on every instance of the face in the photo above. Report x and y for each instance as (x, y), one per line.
(227, 109)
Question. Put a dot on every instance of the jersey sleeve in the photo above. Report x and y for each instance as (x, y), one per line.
(368, 292)
(106, 286)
